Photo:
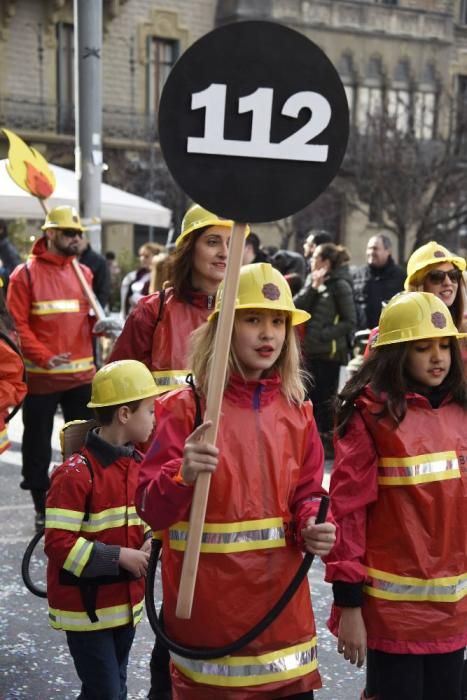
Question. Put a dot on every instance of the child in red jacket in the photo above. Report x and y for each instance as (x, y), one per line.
(94, 539)
(398, 492)
(263, 500)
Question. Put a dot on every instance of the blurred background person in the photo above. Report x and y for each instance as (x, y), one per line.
(135, 284)
(253, 252)
(288, 262)
(327, 340)
(99, 268)
(9, 256)
(377, 281)
(315, 238)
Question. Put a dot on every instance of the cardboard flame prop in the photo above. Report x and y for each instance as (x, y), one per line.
(28, 168)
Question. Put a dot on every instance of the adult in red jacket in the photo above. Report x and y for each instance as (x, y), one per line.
(51, 313)
(157, 331)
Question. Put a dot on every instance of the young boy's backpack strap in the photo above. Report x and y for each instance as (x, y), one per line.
(198, 416)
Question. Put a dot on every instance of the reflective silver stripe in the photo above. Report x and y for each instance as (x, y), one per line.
(54, 306)
(78, 556)
(3, 438)
(167, 380)
(422, 469)
(234, 537)
(448, 589)
(108, 617)
(106, 519)
(62, 519)
(237, 671)
(81, 365)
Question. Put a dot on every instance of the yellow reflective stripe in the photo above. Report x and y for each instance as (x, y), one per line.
(110, 518)
(157, 534)
(438, 466)
(114, 616)
(167, 380)
(232, 537)
(237, 671)
(78, 556)
(3, 438)
(82, 364)
(63, 519)
(54, 306)
(446, 589)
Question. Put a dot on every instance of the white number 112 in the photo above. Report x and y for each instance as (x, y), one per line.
(294, 147)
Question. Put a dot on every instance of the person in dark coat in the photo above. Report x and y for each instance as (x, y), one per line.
(9, 256)
(326, 344)
(376, 282)
(100, 271)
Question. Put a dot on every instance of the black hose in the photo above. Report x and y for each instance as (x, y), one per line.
(232, 647)
(40, 592)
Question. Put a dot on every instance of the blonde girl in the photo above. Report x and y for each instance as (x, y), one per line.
(267, 470)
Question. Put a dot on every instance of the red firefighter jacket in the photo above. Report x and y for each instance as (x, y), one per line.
(267, 484)
(51, 314)
(107, 498)
(12, 387)
(159, 337)
(400, 498)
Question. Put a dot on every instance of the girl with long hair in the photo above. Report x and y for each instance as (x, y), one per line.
(398, 491)
(267, 470)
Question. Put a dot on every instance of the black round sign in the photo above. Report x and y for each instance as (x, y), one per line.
(253, 121)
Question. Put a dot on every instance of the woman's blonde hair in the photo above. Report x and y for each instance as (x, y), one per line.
(287, 365)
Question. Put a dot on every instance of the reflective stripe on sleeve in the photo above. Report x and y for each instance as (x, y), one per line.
(62, 519)
(4, 442)
(78, 556)
(232, 537)
(448, 589)
(398, 471)
(83, 364)
(167, 380)
(54, 306)
(237, 671)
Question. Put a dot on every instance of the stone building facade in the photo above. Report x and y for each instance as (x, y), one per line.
(398, 50)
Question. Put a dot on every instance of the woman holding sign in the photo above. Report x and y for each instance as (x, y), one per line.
(262, 504)
(156, 332)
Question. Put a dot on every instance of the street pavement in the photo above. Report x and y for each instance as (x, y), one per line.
(34, 659)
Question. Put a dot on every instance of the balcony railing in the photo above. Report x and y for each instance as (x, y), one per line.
(24, 113)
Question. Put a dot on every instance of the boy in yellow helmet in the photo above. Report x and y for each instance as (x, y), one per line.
(98, 548)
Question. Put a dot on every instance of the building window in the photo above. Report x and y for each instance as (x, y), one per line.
(399, 98)
(347, 73)
(370, 94)
(426, 105)
(162, 54)
(387, 2)
(463, 12)
(462, 113)
(65, 78)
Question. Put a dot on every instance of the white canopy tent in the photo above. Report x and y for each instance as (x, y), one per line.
(116, 205)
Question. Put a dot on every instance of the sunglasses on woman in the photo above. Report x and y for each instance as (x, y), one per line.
(438, 276)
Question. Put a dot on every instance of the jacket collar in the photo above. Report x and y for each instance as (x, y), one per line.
(439, 397)
(201, 300)
(255, 392)
(105, 453)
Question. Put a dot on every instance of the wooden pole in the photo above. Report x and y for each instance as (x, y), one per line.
(94, 302)
(213, 407)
